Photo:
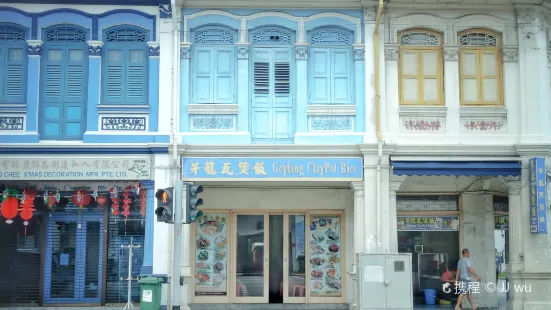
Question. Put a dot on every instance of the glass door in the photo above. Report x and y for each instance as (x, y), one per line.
(73, 269)
(294, 258)
(251, 258)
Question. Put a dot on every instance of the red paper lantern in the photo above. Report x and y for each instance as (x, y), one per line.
(26, 215)
(81, 198)
(143, 193)
(9, 209)
(101, 200)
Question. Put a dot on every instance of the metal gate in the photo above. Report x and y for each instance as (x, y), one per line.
(73, 257)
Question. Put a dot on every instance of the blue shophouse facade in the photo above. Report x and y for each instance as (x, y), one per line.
(79, 133)
(272, 77)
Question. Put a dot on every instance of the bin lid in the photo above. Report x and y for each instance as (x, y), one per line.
(150, 280)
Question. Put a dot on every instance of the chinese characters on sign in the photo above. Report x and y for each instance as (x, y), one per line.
(266, 168)
(501, 221)
(420, 223)
(55, 169)
(538, 195)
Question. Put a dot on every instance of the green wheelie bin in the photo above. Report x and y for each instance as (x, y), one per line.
(150, 293)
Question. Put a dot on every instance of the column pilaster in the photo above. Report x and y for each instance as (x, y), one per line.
(95, 52)
(393, 217)
(370, 14)
(301, 56)
(34, 53)
(243, 54)
(147, 266)
(451, 85)
(359, 206)
(185, 56)
(154, 66)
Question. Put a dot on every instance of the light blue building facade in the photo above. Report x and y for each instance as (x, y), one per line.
(272, 77)
(79, 137)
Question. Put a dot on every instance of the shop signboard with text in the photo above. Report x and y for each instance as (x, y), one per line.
(428, 223)
(538, 195)
(501, 221)
(75, 168)
(249, 168)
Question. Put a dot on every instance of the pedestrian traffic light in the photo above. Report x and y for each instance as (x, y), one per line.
(165, 205)
(193, 203)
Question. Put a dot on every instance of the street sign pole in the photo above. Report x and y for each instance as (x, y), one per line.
(177, 245)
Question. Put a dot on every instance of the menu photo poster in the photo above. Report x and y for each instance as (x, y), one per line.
(325, 256)
(211, 241)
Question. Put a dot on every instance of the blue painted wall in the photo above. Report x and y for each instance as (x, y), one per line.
(69, 99)
(288, 68)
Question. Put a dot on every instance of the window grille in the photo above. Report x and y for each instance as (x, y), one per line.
(65, 34)
(126, 35)
(420, 38)
(11, 33)
(272, 36)
(478, 39)
(214, 36)
(330, 37)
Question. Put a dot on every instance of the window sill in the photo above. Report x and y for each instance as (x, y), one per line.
(212, 109)
(109, 108)
(483, 111)
(330, 110)
(415, 111)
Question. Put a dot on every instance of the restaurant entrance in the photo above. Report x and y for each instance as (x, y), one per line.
(268, 256)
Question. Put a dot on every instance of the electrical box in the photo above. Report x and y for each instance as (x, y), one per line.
(384, 281)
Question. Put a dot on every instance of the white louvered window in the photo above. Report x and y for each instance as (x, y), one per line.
(420, 68)
(13, 62)
(480, 68)
(125, 63)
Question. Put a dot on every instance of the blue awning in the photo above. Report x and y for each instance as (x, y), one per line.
(457, 168)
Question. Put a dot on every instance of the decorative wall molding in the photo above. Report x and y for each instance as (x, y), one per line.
(123, 123)
(391, 52)
(213, 109)
(185, 51)
(95, 48)
(331, 123)
(509, 54)
(370, 13)
(299, 20)
(301, 51)
(154, 49)
(12, 123)
(483, 119)
(531, 17)
(213, 122)
(165, 10)
(243, 50)
(34, 47)
(482, 125)
(423, 119)
(421, 124)
(359, 52)
(451, 53)
(321, 110)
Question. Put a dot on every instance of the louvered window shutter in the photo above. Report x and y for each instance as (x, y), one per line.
(114, 76)
(75, 86)
(282, 78)
(3, 56)
(261, 78)
(15, 75)
(136, 76)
